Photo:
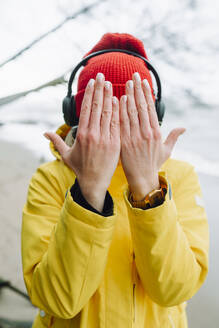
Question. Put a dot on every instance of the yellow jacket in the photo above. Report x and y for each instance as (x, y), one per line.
(136, 268)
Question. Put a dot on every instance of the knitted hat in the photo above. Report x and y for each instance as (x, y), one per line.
(117, 67)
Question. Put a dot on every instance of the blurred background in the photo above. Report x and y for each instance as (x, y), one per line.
(41, 42)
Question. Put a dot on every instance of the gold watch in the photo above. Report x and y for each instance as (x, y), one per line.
(154, 198)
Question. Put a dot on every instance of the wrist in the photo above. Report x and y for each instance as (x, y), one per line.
(152, 199)
(139, 191)
(93, 194)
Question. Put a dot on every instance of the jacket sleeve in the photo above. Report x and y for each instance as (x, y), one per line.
(79, 198)
(171, 243)
(64, 247)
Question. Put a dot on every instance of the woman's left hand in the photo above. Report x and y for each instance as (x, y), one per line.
(142, 149)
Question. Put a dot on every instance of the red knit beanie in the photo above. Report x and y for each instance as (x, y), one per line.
(117, 67)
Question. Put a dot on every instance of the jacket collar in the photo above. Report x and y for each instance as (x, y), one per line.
(62, 131)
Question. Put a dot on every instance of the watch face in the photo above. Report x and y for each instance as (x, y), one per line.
(156, 198)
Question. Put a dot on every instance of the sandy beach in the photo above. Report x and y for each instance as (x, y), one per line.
(16, 168)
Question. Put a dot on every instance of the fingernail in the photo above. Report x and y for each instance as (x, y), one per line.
(146, 83)
(114, 100)
(130, 84)
(107, 85)
(124, 98)
(137, 77)
(91, 83)
(46, 136)
(100, 77)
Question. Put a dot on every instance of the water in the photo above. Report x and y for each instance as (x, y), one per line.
(26, 120)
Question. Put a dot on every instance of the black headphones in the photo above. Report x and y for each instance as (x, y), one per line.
(69, 104)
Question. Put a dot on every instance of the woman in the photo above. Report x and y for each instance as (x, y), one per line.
(113, 234)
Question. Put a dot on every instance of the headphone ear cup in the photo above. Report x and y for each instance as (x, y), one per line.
(66, 107)
(73, 117)
(69, 111)
(160, 109)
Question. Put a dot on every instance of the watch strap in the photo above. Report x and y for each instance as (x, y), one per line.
(154, 198)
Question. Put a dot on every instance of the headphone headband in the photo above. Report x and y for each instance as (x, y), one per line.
(84, 61)
(69, 103)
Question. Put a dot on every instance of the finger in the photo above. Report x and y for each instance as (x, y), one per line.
(59, 144)
(97, 104)
(131, 108)
(107, 110)
(86, 105)
(172, 138)
(114, 124)
(152, 114)
(141, 103)
(124, 118)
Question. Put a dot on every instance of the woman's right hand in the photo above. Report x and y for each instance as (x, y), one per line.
(95, 153)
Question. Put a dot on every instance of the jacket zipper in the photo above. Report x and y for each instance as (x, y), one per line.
(134, 279)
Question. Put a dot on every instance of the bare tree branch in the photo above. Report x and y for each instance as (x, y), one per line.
(16, 96)
(80, 12)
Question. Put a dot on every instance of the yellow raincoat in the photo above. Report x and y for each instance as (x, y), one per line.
(136, 268)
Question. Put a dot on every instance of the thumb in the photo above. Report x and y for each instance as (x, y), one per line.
(59, 144)
(172, 138)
